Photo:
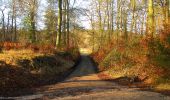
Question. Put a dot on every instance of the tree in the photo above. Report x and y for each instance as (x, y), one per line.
(118, 17)
(3, 22)
(166, 12)
(58, 40)
(32, 13)
(150, 22)
(112, 15)
(13, 20)
(50, 21)
(68, 22)
(133, 5)
(30, 8)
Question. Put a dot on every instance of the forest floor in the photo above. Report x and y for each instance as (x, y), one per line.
(86, 84)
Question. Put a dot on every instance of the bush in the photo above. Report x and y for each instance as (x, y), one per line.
(161, 48)
(120, 56)
(112, 58)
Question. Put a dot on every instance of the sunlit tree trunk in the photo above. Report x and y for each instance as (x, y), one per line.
(112, 15)
(150, 22)
(68, 23)
(58, 40)
(64, 22)
(133, 4)
(108, 20)
(125, 26)
(166, 11)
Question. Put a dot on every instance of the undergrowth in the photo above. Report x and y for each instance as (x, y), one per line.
(29, 67)
(143, 57)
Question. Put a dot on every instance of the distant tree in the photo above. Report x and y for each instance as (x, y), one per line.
(30, 8)
(2, 9)
(14, 20)
(51, 21)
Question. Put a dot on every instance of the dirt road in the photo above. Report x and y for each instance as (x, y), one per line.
(84, 84)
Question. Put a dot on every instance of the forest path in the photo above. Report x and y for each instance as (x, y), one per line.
(84, 84)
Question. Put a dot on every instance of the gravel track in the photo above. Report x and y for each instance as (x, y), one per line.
(84, 84)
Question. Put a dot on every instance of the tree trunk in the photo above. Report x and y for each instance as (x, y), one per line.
(58, 40)
(12, 26)
(65, 22)
(15, 29)
(100, 23)
(8, 25)
(150, 26)
(68, 24)
(3, 25)
(166, 12)
(125, 26)
(133, 3)
(108, 20)
(118, 18)
(33, 33)
(112, 15)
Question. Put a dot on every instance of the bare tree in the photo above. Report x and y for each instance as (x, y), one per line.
(3, 22)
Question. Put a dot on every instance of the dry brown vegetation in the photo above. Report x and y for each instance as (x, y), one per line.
(142, 58)
(25, 69)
